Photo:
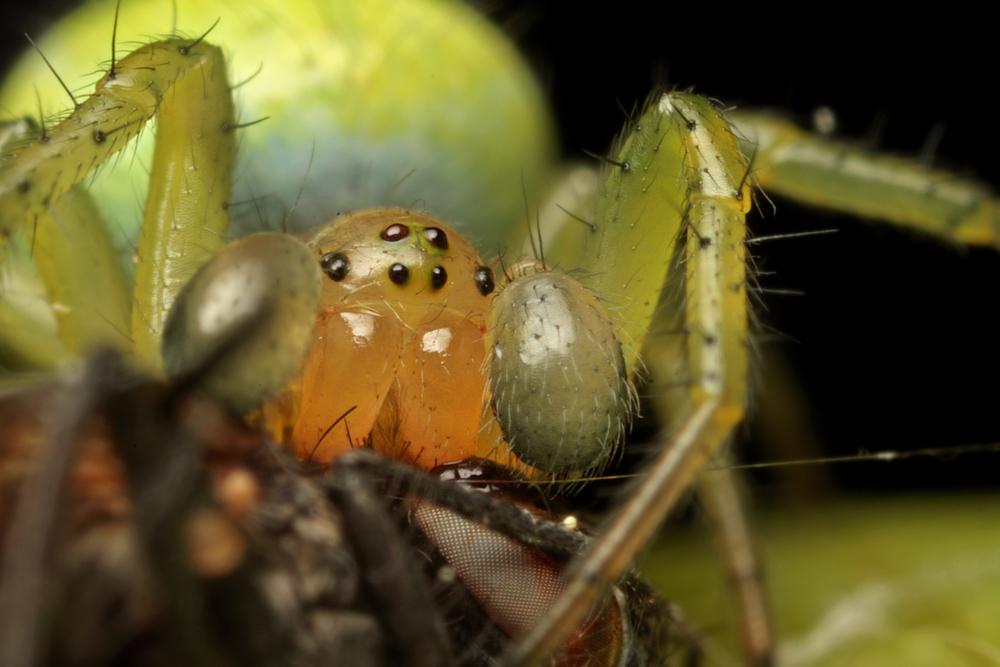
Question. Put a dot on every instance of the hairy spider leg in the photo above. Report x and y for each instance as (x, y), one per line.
(184, 84)
(671, 211)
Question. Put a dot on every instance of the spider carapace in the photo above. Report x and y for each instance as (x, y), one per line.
(399, 347)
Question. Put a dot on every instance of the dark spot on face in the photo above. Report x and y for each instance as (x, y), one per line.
(395, 233)
(436, 237)
(336, 265)
(399, 274)
(99, 136)
(484, 280)
(23, 186)
(438, 277)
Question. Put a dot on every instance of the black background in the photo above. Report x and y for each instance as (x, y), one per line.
(894, 336)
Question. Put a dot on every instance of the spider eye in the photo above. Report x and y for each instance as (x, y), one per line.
(436, 237)
(395, 233)
(399, 274)
(336, 265)
(438, 277)
(484, 280)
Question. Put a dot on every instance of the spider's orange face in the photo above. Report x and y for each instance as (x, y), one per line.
(399, 347)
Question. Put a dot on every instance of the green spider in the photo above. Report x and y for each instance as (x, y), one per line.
(380, 194)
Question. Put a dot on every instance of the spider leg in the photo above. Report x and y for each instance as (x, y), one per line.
(836, 176)
(680, 169)
(720, 491)
(184, 84)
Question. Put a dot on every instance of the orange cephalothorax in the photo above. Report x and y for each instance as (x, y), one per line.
(398, 350)
(387, 323)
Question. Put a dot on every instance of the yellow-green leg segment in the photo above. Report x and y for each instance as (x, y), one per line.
(183, 83)
(671, 212)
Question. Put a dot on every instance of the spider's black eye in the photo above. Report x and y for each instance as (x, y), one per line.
(436, 237)
(438, 277)
(399, 274)
(336, 265)
(395, 233)
(484, 280)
